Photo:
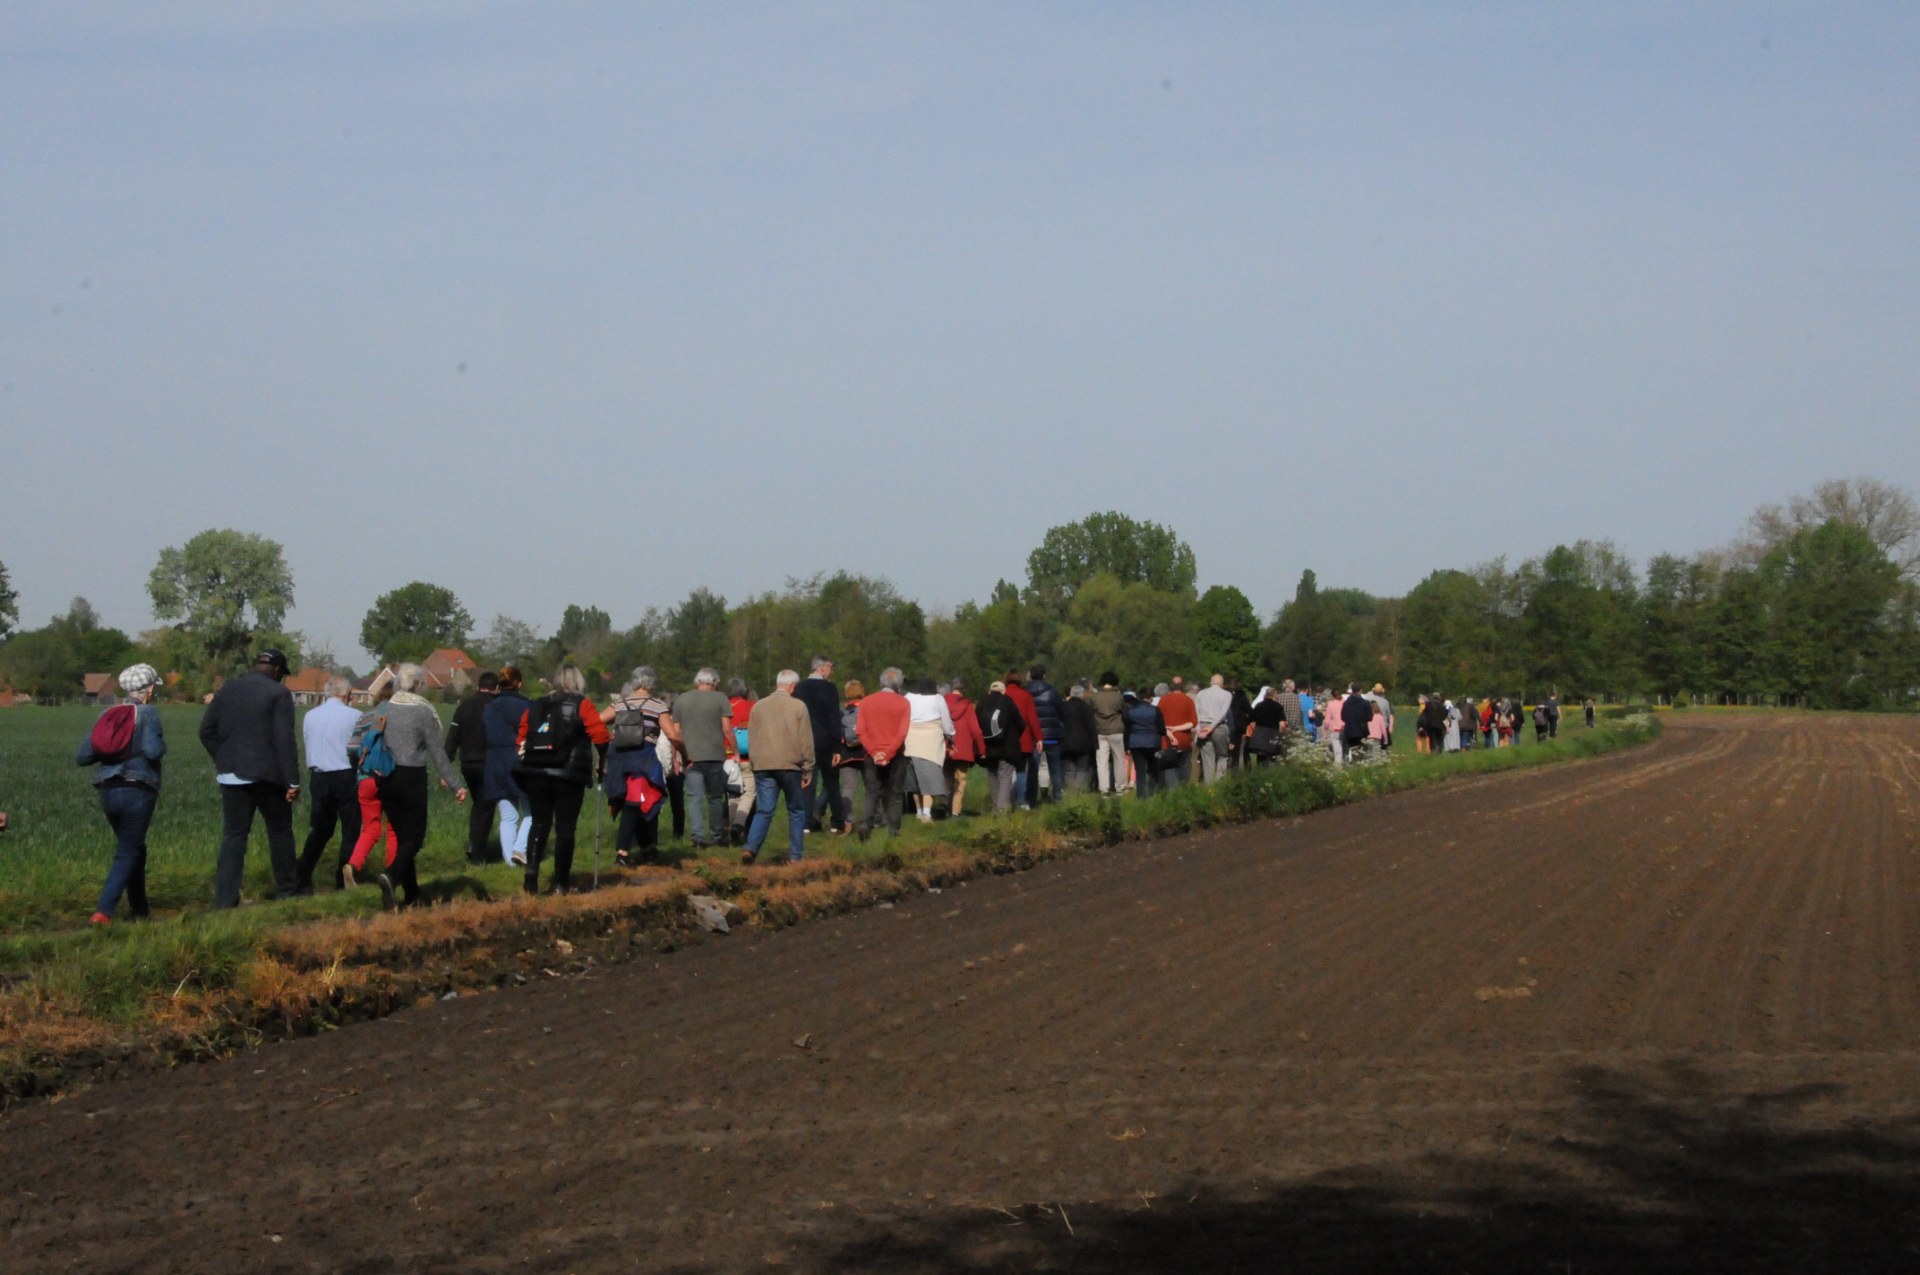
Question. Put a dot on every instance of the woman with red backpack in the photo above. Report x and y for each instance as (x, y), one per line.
(127, 743)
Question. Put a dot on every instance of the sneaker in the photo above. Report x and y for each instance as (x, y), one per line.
(518, 861)
(99, 918)
(346, 877)
(386, 891)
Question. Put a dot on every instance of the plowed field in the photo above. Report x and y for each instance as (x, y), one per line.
(1656, 1011)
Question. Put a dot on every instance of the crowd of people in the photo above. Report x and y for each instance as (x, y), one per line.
(714, 763)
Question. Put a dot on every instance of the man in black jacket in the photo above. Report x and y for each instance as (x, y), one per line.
(467, 746)
(248, 731)
(1047, 706)
(822, 699)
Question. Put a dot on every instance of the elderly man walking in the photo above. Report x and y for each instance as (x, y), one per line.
(783, 761)
(699, 725)
(1214, 733)
(882, 728)
(331, 783)
(248, 731)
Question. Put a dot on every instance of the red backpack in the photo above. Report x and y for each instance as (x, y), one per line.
(112, 739)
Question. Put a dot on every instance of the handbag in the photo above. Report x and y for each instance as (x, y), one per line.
(1264, 741)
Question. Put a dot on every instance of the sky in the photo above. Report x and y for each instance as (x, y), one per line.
(600, 302)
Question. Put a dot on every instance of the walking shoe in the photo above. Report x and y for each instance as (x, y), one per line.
(99, 918)
(346, 877)
(532, 884)
(518, 861)
(386, 891)
(863, 832)
(746, 857)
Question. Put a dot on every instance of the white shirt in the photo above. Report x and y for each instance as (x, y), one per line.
(929, 708)
(326, 731)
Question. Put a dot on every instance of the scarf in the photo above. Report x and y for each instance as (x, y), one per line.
(408, 697)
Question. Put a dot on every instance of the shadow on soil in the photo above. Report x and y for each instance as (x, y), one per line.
(1654, 1171)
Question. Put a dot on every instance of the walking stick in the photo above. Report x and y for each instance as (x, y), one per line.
(599, 809)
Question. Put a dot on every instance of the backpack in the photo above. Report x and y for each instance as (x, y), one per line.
(553, 728)
(376, 758)
(1540, 716)
(631, 728)
(994, 727)
(850, 725)
(111, 740)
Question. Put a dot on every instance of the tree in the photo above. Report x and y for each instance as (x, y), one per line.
(413, 621)
(509, 641)
(1131, 552)
(51, 663)
(222, 586)
(583, 630)
(1886, 513)
(1829, 589)
(1312, 638)
(695, 637)
(1226, 634)
(1140, 632)
(1447, 622)
(9, 604)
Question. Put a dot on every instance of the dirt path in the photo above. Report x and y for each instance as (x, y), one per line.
(1657, 1011)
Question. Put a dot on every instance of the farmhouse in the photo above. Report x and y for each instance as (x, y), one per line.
(309, 686)
(449, 672)
(99, 688)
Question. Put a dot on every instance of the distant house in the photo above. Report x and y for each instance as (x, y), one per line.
(448, 673)
(99, 688)
(309, 686)
(8, 698)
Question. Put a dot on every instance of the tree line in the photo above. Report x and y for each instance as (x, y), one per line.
(1817, 603)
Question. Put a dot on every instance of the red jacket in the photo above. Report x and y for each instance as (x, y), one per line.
(882, 725)
(1177, 707)
(967, 745)
(1030, 735)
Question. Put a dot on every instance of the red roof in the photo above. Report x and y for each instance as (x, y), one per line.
(308, 681)
(99, 683)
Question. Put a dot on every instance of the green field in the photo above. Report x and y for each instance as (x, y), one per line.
(55, 856)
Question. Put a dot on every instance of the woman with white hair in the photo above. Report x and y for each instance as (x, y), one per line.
(635, 781)
(929, 729)
(126, 743)
(412, 731)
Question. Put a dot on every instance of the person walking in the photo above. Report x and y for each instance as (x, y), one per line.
(1146, 731)
(966, 750)
(817, 692)
(1588, 709)
(1356, 720)
(1450, 741)
(128, 781)
(559, 737)
(374, 823)
(853, 757)
(739, 764)
(930, 731)
(1213, 728)
(1079, 738)
(699, 725)
(1023, 792)
(998, 719)
(1110, 727)
(1267, 726)
(1553, 713)
(636, 783)
(326, 730)
(882, 724)
(783, 766)
(1294, 708)
(1183, 721)
(1050, 724)
(248, 731)
(500, 785)
(467, 746)
(411, 728)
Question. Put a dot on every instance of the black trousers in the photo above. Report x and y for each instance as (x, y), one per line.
(479, 814)
(335, 801)
(403, 797)
(886, 792)
(238, 804)
(555, 805)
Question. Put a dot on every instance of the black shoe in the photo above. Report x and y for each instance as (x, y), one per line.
(532, 883)
(863, 832)
(386, 891)
(746, 858)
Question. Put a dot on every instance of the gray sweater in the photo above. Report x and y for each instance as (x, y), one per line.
(413, 735)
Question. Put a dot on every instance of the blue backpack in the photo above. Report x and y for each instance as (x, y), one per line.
(376, 759)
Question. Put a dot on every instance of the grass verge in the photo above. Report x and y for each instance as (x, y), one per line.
(75, 1004)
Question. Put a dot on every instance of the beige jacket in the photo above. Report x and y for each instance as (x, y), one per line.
(780, 734)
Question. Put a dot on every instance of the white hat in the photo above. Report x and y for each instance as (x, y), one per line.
(138, 678)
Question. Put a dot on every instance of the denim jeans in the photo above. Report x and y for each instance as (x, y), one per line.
(1050, 747)
(129, 811)
(767, 786)
(707, 802)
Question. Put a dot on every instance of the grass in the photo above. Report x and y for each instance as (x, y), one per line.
(197, 981)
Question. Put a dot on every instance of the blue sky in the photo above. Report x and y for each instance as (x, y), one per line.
(599, 302)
